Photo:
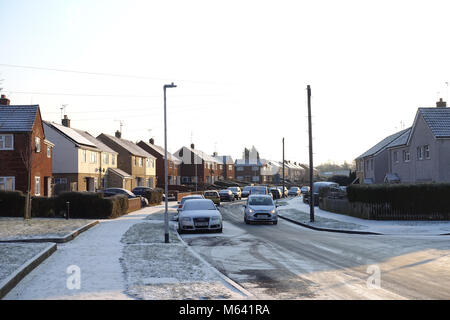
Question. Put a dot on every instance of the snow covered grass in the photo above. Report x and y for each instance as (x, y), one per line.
(155, 270)
(14, 255)
(18, 228)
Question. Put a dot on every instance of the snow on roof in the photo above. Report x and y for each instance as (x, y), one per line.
(100, 145)
(72, 134)
(15, 118)
(120, 172)
(382, 145)
(202, 155)
(160, 150)
(130, 146)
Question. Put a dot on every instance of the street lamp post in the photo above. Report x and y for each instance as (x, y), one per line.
(166, 179)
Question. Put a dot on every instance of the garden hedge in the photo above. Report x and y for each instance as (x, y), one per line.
(154, 197)
(12, 204)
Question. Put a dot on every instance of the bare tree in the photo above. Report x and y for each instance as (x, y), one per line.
(27, 159)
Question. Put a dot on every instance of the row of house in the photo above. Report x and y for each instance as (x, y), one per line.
(44, 157)
(420, 153)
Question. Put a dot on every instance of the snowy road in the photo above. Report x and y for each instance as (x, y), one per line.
(286, 261)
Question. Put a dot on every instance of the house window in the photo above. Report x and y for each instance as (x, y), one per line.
(105, 158)
(49, 152)
(427, 151)
(7, 142)
(113, 160)
(37, 142)
(7, 183)
(140, 162)
(419, 153)
(37, 186)
(220, 166)
(60, 180)
(84, 156)
(93, 157)
(230, 167)
(135, 161)
(395, 156)
(406, 156)
(255, 168)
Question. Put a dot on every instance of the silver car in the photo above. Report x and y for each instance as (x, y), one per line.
(184, 199)
(260, 208)
(199, 214)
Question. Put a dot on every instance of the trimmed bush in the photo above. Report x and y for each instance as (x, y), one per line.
(154, 197)
(12, 204)
(43, 207)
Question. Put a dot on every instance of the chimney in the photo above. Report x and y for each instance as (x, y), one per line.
(192, 146)
(214, 154)
(66, 121)
(4, 101)
(441, 103)
(118, 134)
(152, 141)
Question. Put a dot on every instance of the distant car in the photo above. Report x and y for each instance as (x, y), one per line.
(294, 191)
(140, 191)
(199, 214)
(276, 193)
(304, 189)
(212, 195)
(246, 192)
(109, 192)
(236, 192)
(284, 192)
(226, 195)
(260, 208)
(259, 190)
(184, 199)
(316, 188)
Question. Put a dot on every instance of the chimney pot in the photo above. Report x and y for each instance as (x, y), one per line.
(192, 146)
(152, 141)
(118, 134)
(66, 121)
(441, 103)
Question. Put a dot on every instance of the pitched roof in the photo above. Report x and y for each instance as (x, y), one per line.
(438, 119)
(382, 145)
(17, 118)
(100, 145)
(160, 150)
(202, 155)
(71, 134)
(120, 172)
(224, 159)
(128, 145)
(401, 140)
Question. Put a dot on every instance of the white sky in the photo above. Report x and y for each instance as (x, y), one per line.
(241, 67)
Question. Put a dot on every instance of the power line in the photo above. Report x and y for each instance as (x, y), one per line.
(106, 74)
(110, 95)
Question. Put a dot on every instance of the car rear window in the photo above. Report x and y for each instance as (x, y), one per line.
(199, 205)
(190, 198)
(211, 194)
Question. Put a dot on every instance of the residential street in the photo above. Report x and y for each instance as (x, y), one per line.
(286, 261)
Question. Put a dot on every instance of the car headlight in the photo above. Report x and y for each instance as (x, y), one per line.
(251, 210)
(215, 219)
(186, 219)
(272, 211)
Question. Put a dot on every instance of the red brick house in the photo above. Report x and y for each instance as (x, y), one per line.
(173, 163)
(226, 167)
(197, 166)
(25, 154)
(248, 168)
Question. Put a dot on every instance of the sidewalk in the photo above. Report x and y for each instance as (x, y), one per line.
(124, 258)
(296, 210)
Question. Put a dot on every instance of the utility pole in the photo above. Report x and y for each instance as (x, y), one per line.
(282, 195)
(311, 166)
(166, 178)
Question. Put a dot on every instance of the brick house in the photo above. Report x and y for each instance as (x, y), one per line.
(248, 168)
(197, 166)
(132, 160)
(80, 162)
(25, 154)
(226, 167)
(173, 163)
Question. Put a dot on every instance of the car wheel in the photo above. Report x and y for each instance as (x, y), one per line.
(220, 230)
(245, 220)
(275, 222)
(180, 231)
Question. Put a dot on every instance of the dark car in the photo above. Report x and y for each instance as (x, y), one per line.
(316, 188)
(304, 189)
(294, 191)
(276, 193)
(140, 191)
(237, 192)
(109, 192)
(226, 195)
(259, 190)
(246, 192)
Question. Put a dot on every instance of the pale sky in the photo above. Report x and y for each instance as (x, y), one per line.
(241, 67)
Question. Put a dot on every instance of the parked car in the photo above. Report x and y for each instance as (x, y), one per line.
(304, 189)
(140, 191)
(109, 192)
(236, 192)
(199, 214)
(276, 193)
(294, 191)
(284, 192)
(226, 195)
(316, 188)
(259, 190)
(246, 192)
(184, 199)
(212, 195)
(260, 208)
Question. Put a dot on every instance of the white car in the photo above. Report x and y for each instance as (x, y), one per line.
(199, 214)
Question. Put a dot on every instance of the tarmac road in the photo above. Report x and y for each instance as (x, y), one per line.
(286, 261)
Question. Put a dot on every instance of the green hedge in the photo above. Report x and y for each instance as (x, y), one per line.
(154, 197)
(413, 198)
(12, 204)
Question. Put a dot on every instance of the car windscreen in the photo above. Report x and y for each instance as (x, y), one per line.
(224, 192)
(259, 190)
(190, 198)
(294, 189)
(199, 205)
(260, 201)
(233, 189)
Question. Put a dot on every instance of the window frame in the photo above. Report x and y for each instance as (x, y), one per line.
(37, 144)
(3, 181)
(37, 182)
(3, 139)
